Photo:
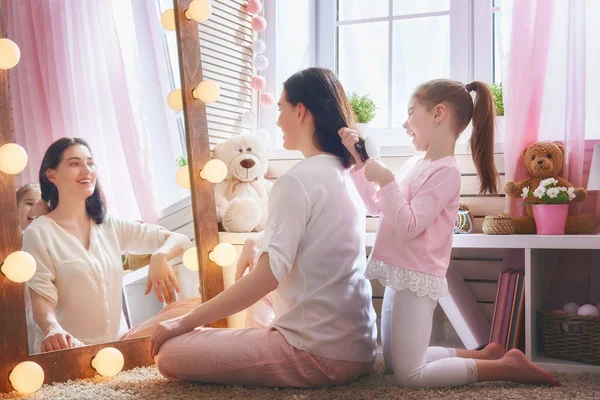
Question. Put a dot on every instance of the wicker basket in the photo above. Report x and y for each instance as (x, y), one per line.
(570, 337)
(498, 225)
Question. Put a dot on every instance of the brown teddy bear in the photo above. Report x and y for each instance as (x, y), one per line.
(545, 160)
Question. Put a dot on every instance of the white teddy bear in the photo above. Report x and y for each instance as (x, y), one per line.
(242, 198)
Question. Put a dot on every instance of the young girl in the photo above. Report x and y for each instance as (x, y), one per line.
(27, 197)
(418, 208)
(312, 258)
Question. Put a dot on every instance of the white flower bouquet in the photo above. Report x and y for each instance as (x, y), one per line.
(549, 193)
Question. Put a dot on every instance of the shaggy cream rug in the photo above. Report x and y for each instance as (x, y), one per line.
(148, 384)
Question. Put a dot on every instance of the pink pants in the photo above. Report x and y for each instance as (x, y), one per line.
(251, 356)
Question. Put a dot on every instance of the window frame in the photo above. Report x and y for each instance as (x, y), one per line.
(470, 28)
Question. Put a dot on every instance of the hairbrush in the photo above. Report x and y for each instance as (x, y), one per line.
(367, 149)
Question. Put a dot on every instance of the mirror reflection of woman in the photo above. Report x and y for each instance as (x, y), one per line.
(76, 292)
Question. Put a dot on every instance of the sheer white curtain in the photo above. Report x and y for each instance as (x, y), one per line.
(81, 75)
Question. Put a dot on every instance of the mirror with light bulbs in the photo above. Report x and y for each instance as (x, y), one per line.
(130, 77)
(176, 116)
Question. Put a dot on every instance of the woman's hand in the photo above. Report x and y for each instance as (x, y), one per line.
(161, 278)
(166, 330)
(376, 171)
(59, 339)
(246, 260)
(349, 139)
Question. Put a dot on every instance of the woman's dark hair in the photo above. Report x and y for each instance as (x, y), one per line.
(323, 95)
(95, 205)
(457, 98)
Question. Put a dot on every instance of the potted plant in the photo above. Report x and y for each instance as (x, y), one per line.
(550, 211)
(364, 110)
(496, 89)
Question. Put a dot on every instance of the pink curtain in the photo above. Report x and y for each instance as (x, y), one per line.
(78, 78)
(524, 84)
(547, 90)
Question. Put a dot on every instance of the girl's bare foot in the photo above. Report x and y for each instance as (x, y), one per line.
(524, 371)
(493, 351)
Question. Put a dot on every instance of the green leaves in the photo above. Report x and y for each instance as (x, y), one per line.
(496, 89)
(181, 161)
(364, 108)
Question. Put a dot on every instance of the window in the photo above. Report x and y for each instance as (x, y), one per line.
(385, 49)
(169, 40)
(497, 43)
(401, 43)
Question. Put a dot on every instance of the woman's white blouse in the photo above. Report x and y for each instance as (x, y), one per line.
(85, 286)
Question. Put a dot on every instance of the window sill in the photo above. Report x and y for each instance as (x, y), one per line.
(386, 151)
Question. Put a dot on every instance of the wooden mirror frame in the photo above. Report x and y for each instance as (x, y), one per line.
(62, 365)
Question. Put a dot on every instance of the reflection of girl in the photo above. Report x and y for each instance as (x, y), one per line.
(27, 196)
(76, 290)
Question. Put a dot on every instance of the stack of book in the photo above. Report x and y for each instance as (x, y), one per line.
(509, 311)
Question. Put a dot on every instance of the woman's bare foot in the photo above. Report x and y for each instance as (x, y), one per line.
(493, 351)
(524, 371)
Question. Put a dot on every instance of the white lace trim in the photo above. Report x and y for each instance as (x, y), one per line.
(472, 375)
(435, 287)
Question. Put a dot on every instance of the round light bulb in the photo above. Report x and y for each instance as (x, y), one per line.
(214, 171)
(13, 158)
(254, 6)
(19, 266)
(248, 118)
(108, 361)
(259, 24)
(183, 177)
(259, 46)
(207, 91)
(267, 99)
(167, 19)
(10, 54)
(27, 377)
(223, 254)
(199, 10)
(258, 83)
(261, 62)
(190, 259)
(175, 100)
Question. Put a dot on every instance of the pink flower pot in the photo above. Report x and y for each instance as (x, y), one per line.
(550, 219)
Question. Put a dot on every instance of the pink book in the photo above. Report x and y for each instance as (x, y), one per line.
(508, 306)
(499, 307)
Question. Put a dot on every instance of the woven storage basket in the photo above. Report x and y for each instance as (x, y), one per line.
(570, 337)
(498, 225)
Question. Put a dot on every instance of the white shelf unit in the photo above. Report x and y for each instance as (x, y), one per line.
(555, 275)
(479, 240)
(539, 251)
